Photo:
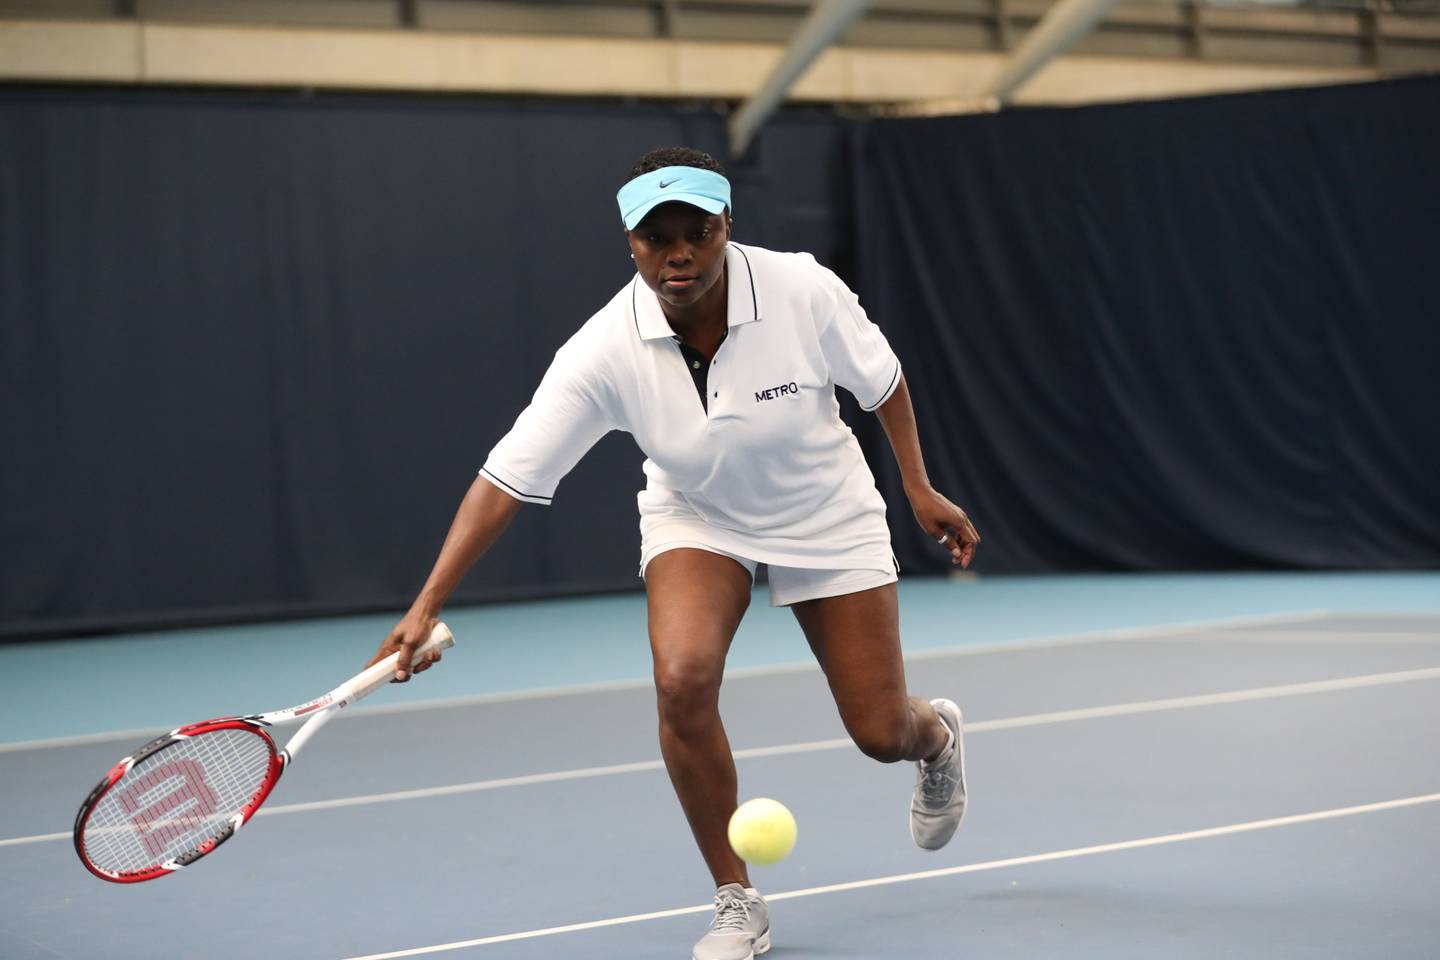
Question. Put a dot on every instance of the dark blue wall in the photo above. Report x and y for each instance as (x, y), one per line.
(254, 347)
(1194, 334)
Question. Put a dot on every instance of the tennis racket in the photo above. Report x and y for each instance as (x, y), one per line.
(180, 796)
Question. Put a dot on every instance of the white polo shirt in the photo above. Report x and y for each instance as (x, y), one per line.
(769, 471)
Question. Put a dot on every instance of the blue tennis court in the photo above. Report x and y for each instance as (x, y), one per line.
(1253, 781)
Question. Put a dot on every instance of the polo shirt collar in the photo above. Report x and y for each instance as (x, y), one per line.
(743, 304)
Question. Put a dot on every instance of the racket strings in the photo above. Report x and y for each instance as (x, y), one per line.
(178, 798)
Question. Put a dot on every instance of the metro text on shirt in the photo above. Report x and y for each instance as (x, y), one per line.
(780, 391)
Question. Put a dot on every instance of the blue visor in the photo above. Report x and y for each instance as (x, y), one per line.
(700, 188)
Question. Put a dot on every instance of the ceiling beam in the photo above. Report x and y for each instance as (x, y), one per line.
(826, 22)
(1057, 31)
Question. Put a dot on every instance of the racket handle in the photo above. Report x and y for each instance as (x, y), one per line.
(377, 675)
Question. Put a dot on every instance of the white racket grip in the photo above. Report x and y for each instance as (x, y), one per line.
(377, 675)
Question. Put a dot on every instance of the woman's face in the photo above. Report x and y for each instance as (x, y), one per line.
(680, 252)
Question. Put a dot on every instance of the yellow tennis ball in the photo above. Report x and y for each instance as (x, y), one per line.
(762, 831)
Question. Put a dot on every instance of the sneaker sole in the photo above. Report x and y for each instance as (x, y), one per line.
(964, 784)
(762, 945)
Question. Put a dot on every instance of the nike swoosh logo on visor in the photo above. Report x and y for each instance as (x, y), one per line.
(664, 184)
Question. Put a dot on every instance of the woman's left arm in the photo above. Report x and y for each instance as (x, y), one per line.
(942, 520)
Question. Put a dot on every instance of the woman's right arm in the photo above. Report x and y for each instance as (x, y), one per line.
(483, 515)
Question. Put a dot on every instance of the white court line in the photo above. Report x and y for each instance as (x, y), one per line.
(840, 743)
(1071, 854)
(1320, 636)
(997, 646)
(1414, 613)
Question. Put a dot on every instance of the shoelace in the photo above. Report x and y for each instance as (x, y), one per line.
(731, 913)
(937, 785)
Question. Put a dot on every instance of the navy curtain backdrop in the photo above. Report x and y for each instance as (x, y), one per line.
(254, 347)
(1197, 334)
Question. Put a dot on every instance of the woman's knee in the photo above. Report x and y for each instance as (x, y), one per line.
(696, 600)
(686, 694)
(887, 740)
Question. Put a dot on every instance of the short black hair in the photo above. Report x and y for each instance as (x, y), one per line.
(674, 157)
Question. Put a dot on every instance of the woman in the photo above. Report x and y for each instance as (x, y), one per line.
(721, 360)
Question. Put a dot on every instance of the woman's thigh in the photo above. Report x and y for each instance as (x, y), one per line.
(696, 600)
(856, 639)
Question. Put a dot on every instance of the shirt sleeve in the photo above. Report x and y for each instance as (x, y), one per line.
(857, 353)
(565, 418)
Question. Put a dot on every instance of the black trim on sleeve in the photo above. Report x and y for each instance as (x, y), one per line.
(527, 497)
(888, 390)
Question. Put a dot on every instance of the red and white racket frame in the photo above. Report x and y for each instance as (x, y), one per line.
(318, 711)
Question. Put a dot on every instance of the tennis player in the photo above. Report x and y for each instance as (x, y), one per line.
(721, 360)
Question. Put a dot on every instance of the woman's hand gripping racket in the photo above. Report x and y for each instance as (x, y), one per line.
(182, 795)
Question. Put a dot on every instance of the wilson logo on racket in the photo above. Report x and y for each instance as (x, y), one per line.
(161, 820)
(180, 796)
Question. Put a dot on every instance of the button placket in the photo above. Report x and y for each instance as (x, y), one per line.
(692, 365)
(711, 380)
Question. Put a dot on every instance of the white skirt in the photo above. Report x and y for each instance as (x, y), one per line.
(857, 556)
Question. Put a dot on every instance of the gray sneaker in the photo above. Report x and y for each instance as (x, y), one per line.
(938, 805)
(741, 928)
